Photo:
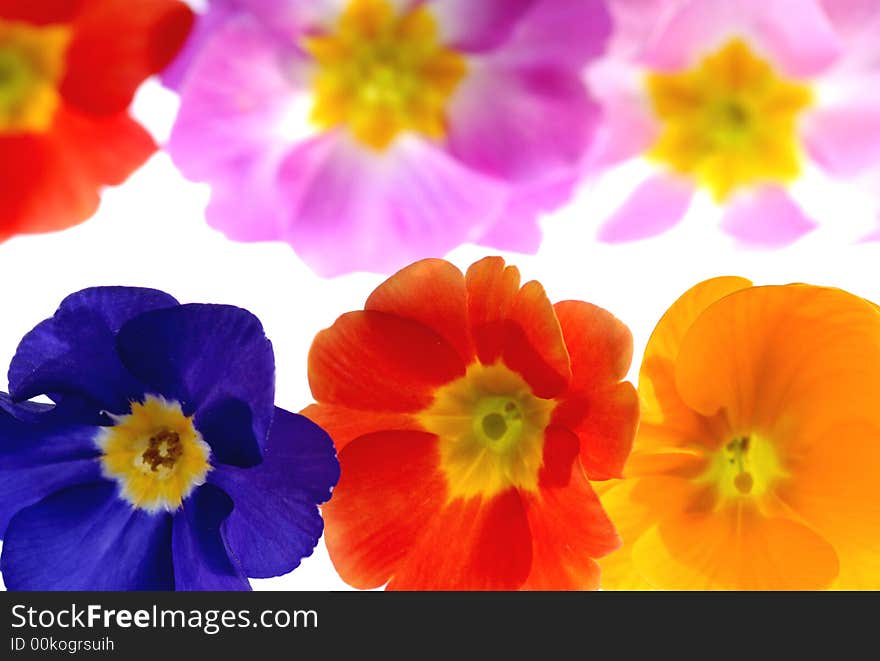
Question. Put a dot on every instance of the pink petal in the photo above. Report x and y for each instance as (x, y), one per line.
(358, 210)
(520, 125)
(233, 103)
(558, 33)
(478, 26)
(767, 218)
(219, 12)
(796, 33)
(517, 228)
(292, 18)
(655, 206)
(846, 139)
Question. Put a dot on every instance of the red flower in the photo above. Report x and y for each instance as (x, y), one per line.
(68, 71)
(469, 415)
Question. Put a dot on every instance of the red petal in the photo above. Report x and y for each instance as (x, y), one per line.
(470, 545)
(606, 423)
(51, 181)
(345, 424)
(431, 292)
(118, 44)
(516, 325)
(599, 344)
(389, 488)
(377, 361)
(40, 12)
(568, 525)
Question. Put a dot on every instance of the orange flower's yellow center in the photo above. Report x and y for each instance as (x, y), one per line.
(155, 454)
(730, 123)
(381, 73)
(746, 466)
(31, 66)
(491, 430)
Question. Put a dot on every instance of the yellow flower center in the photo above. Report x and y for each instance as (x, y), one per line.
(381, 73)
(491, 430)
(730, 123)
(31, 67)
(155, 454)
(746, 466)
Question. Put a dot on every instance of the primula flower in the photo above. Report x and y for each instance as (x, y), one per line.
(370, 133)
(68, 71)
(756, 463)
(163, 463)
(469, 414)
(740, 100)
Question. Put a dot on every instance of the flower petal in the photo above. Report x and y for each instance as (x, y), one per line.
(354, 209)
(431, 292)
(655, 206)
(116, 46)
(846, 139)
(275, 521)
(600, 346)
(217, 362)
(382, 362)
(40, 13)
(40, 455)
(767, 218)
(87, 538)
(739, 549)
(517, 325)
(470, 545)
(568, 526)
(51, 181)
(380, 507)
(498, 121)
(73, 352)
(201, 559)
(470, 27)
(346, 424)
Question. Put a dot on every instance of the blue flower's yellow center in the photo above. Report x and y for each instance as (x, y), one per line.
(381, 73)
(31, 66)
(491, 431)
(730, 123)
(746, 466)
(155, 454)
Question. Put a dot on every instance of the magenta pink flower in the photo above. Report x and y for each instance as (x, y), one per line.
(371, 133)
(740, 100)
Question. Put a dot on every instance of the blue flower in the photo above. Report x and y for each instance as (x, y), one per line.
(163, 463)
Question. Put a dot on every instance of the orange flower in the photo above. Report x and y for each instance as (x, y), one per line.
(469, 414)
(756, 463)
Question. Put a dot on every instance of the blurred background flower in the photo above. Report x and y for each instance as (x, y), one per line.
(68, 72)
(370, 133)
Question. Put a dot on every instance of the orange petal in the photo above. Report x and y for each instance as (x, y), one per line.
(606, 423)
(390, 488)
(377, 361)
(346, 424)
(431, 292)
(783, 361)
(569, 528)
(470, 545)
(600, 346)
(517, 325)
(734, 549)
(666, 420)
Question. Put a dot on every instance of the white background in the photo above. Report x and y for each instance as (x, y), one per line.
(151, 232)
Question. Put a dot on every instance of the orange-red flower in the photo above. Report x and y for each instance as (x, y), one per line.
(469, 414)
(757, 460)
(68, 71)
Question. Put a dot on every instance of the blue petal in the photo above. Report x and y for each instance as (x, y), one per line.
(275, 521)
(42, 450)
(87, 538)
(201, 560)
(216, 361)
(74, 352)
